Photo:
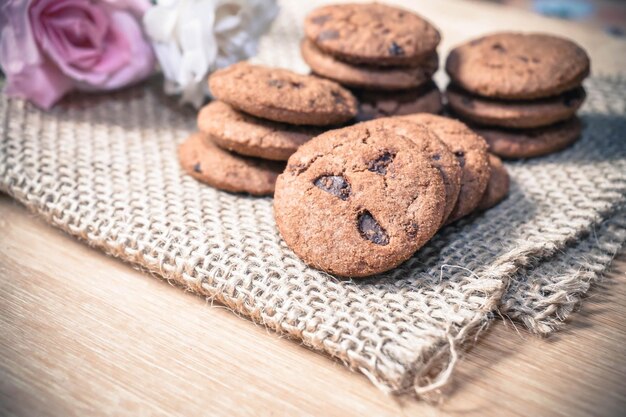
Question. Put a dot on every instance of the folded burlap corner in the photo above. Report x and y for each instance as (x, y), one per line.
(543, 296)
(104, 169)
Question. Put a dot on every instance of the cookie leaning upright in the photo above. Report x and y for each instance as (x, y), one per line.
(283, 96)
(358, 201)
(498, 186)
(375, 48)
(470, 150)
(522, 87)
(437, 152)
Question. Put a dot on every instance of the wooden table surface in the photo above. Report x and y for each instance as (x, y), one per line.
(82, 334)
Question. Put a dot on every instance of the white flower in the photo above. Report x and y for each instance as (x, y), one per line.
(192, 38)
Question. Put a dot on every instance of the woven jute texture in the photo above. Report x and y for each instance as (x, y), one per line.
(104, 169)
(545, 295)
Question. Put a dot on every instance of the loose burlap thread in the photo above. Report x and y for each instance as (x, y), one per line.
(104, 169)
(544, 296)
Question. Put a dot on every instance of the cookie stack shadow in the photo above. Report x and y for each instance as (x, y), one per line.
(259, 118)
(385, 55)
(519, 91)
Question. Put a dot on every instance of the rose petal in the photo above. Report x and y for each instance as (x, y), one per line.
(42, 84)
(195, 92)
(17, 44)
(99, 43)
(50, 21)
(194, 37)
(96, 45)
(141, 58)
(227, 23)
(76, 41)
(160, 22)
(169, 56)
(137, 7)
(193, 41)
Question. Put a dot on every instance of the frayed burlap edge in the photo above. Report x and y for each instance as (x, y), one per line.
(544, 297)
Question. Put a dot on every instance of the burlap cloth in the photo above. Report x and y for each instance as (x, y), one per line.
(104, 169)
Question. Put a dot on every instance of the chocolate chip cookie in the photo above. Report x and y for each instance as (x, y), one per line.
(430, 145)
(207, 163)
(516, 66)
(371, 33)
(515, 114)
(471, 152)
(358, 201)
(370, 77)
(498, 186)
(282, 95)
(251, 136)
(529, 143)
(376, 104)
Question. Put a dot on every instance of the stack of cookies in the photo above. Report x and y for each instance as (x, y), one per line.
(361, 200)
(520, 91)
(259, 118)
(385, 55)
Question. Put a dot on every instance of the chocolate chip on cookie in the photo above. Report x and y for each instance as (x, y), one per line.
(515, 114)
(431, 146)
(372, 33)
(204, 161)
(358, 201)
(368, 76)
(376, 104)
(248, 135)
(282, 95)
(518, 66)
(471, 152)
(530, 143)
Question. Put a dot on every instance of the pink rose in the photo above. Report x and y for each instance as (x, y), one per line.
(50, 47)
